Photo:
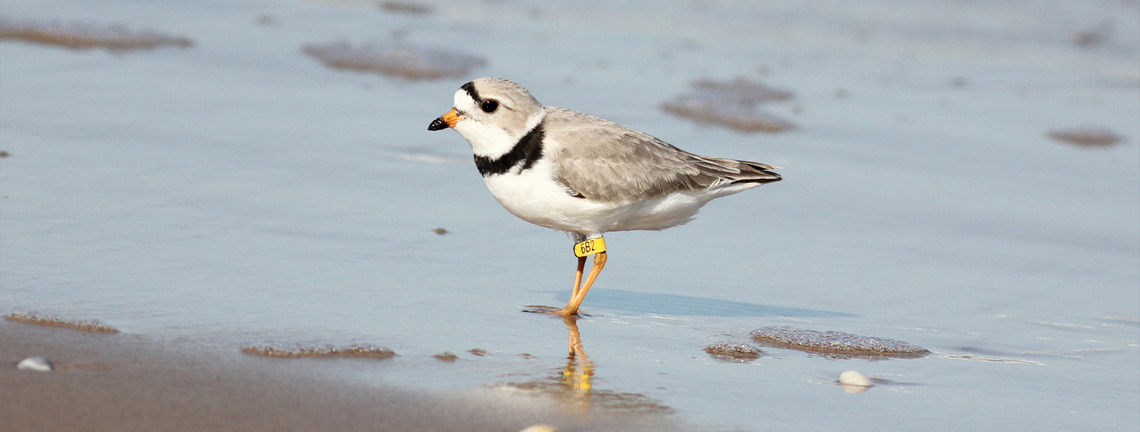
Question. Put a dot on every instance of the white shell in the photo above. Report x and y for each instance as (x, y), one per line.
(540, 428)
(854, 378)
(39, 364)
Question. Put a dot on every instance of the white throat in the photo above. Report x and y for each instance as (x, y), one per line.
(491, 141)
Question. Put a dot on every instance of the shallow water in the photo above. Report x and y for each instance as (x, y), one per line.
(240, 193)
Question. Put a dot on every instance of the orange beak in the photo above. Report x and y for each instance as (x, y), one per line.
(448, 120)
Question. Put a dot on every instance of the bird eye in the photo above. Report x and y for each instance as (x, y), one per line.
(489, 106)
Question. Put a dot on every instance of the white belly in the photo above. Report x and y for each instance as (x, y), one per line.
(535, 197)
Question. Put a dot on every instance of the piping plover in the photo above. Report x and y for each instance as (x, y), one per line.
(578, 173)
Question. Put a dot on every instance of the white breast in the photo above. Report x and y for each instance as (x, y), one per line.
(535, 197)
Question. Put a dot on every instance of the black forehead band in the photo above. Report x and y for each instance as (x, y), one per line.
(470, 89)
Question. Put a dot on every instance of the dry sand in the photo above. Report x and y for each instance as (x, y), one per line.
(124, 382)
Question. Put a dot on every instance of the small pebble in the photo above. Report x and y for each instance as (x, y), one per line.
(854, 378)
(38, 364)
(478, 352)
(540, 428)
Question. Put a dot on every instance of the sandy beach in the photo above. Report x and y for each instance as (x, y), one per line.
(244, 198)
(124, 382)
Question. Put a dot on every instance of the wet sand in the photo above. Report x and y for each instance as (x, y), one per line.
(127, 382)
(957, 177)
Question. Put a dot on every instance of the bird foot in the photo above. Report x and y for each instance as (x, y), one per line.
(552, 310)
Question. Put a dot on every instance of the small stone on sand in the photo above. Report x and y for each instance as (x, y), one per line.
(540, 428)
(38, 364)
(478, 352)
(854, 378)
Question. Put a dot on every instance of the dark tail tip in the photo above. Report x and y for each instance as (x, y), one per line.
(762, 173)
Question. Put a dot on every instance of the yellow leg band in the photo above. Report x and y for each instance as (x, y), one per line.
(590, 247)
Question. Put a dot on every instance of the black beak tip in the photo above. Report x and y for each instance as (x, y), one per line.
(437, 124)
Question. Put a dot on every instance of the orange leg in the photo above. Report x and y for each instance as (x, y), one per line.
(578, 277)
(576, 300)
(571, 322)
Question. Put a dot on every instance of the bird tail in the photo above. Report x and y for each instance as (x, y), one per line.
(756, 172)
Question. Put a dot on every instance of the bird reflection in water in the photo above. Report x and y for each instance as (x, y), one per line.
(573, 385)
(578, 375)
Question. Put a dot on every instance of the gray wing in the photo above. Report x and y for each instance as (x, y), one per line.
(606, 161)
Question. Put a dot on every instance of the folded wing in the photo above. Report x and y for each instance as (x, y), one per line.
(605, 161)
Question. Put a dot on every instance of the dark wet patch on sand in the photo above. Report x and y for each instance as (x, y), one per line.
(736, 104)
(55, 321)
(733, 352)
(446, 356)
(1086, 136)
(836, 344)
(80, 36)
(399, 60)
(323, 351)
(1095, 36)
(405, 8)
(744, 90)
